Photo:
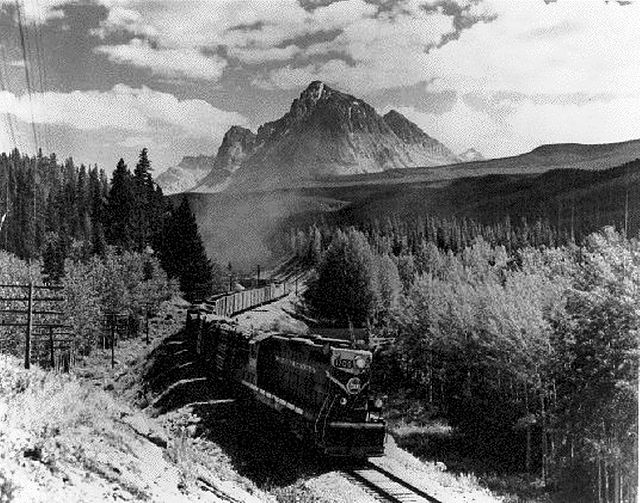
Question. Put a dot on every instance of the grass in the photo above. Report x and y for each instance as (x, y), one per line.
(50, 419)
(43, 405)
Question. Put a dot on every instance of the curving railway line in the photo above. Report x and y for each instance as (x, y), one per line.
(385, 486)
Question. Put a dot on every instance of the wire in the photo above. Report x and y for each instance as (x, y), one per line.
(4, 86)
(42, 68)
(27, 73)
(24, 34)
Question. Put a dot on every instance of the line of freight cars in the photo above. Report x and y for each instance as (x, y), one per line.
(229, 304)
(319, 386)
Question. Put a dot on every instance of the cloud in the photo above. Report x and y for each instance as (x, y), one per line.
(375, 52)
(38, 11)
(261, 55)
(532, 48)
(122, 107)
(120, 117)
(179, 62)
(509, 129)
(486, 47)
(252, 32)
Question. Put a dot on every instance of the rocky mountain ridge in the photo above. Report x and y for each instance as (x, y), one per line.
(325, 133)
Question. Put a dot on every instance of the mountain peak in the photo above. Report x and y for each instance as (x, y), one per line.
(325, 132)
(315, 92)
(471, 155)
(315, 89)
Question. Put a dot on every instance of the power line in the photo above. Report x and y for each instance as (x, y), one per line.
(4, 85)
(42, 67)
(27, 73)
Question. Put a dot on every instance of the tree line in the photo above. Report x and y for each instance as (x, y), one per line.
(531, 352)
(55, 211)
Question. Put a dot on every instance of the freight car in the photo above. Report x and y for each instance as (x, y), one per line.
(229, 304)
(320, 386)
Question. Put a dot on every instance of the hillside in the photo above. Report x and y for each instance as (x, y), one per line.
(248, 229)
(69, 438)
(541, 159)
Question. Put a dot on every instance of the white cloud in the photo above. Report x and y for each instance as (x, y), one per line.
(528, 47)
(40, 10)
(389, 50)
(124, 116)
(289, 78)
(122, 107)
(180, 62)
(528, 124)
(533, 48)
(260, 55)
(253, 32)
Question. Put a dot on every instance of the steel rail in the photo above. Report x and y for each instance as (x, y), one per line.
(388, 485)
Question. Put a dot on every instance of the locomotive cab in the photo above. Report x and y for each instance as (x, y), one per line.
(351, 424)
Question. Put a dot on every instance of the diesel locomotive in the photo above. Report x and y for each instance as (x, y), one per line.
(320, 386)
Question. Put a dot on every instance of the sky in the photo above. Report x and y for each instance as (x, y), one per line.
(101, 79)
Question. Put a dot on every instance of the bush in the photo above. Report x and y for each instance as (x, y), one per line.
(130, 283)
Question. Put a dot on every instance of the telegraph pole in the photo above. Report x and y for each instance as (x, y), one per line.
(27, 346)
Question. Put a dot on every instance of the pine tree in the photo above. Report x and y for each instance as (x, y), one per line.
(82, 203)
(143, 199)
(183, 255)
(120, 231)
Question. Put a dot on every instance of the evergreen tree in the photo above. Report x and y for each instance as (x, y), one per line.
(82, 203)
(96, 207)
(183, 255)
(143, 200)
(157, 215)
(120, 231)
(53, 258)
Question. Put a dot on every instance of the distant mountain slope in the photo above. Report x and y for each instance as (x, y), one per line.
(329, 138)
(246, 228)
(185, 175)
(594, 157)
(424, 150)
(471, 155)
(556, 156)
(325, 133)
(238, 144)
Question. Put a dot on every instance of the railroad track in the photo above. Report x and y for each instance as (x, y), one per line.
(386, 486)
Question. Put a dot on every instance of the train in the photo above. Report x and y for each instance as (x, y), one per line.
(319, 386)
(232, 303)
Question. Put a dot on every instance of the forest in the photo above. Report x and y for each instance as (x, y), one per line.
(521, 339)
(519, 332)
(114, 245)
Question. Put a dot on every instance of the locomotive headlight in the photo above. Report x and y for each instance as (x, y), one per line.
(360, 362)
(343, 401)
(375, 405)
